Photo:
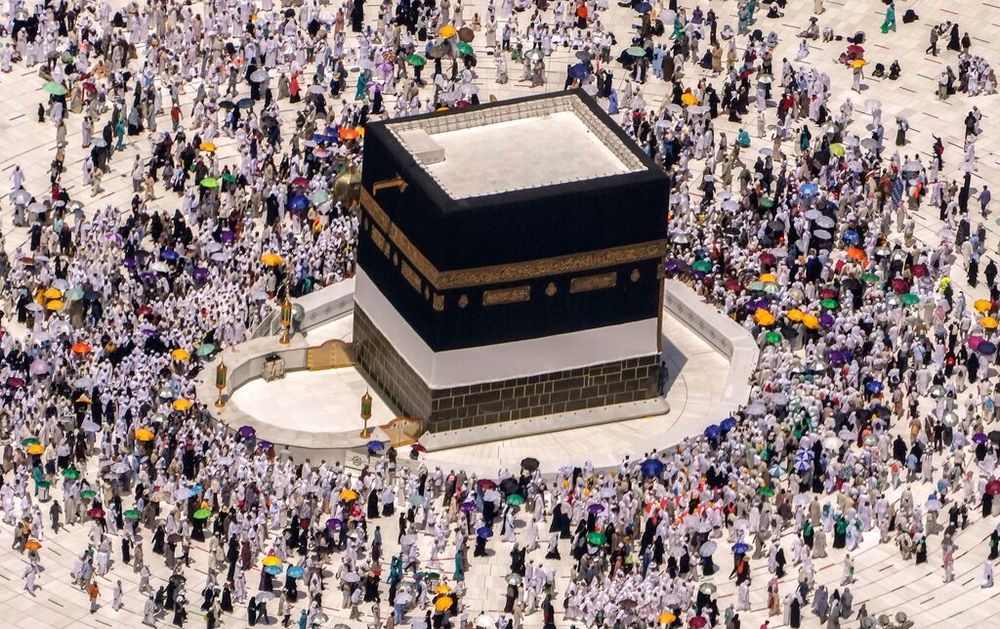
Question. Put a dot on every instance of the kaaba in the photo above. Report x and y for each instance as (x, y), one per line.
(509, 262)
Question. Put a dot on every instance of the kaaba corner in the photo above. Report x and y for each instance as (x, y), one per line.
(508, 262)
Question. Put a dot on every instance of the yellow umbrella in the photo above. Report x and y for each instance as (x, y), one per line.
(768, 277)
(143, 434)
(990, 323)
(181, 354)
(982, 305)
(32, 544)
(795, 315)
(182, 404)
(348, 494)
(859, 63)
(811, 321)
(207, 147)
(55, 304)
(52, 293)
(443, 603)
(763, 317)
(271, 259)
(448, 31)
(271, 560)
(667, 617)
(442, 589)
(689, 99)
(35, 448)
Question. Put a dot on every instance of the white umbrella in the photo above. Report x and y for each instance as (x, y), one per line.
(90, 426)
(484, 621)
(351, 577)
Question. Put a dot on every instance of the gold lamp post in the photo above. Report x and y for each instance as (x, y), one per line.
(286, 320)
(221, 378)
(366, 413)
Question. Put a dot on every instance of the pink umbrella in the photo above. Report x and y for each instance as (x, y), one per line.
(974, 341)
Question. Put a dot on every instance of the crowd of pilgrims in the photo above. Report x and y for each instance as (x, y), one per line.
(872, 410)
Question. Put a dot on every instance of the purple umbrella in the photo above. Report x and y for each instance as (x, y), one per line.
(247, 432)
(595, 508)
(468, 507)
(826, 320)
(333, 524)
(979, 437)
(265, 445)
(200, 274)
(227, 236)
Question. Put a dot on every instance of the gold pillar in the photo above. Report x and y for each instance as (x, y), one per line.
(286, 320)
(221, 378)
(366, 414)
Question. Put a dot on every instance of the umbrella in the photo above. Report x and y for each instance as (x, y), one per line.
(466, 34)
(88, 494)
(80, 348)
(697, 622)
(32, 544)
(707, 549)
(467, 507)
(595, 508)
(271, 560)
(766, 491)
(295, 572)
(635, 51)
(465, 48)
(579, 70)
(202, 514)
(89, 426)
(180, 354)
(182, 404)
(982, 305)
(643, 7)
(71, 473)
(375, 447)
(247, 432)
(447, 31)
(333, 524)
(348, 495)
(873, 386)
(515, 500)
(485, 621)
(993, 487)
(838, 149)
(485, 532)
(35, 449)
(96, 512)
(55, 89)
(208, 147)
(259, 76)
(443, 603)
(131, 514)
(651, 468)
(987, 348)
(597, 538)
(244, 103)
(205, 349)
(990, 323)
(740, 548)
(209, 182)
(529, 463)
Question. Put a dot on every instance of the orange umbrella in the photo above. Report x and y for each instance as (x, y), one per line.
(795, 315)
(182, 404)
(443, 603)
(768, 277)
(52, 293)
(181, 354)
(143, 434)
(763, 317)
(856, 254)
(448, 31)
(982, 305)
(347, 133)
(811, 321)
(32, 544)
(990, 323)
(80, 348)
(35, 448)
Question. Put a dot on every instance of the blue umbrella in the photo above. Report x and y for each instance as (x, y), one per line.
(375, 447)
(713, 431)
(851, 236)
(169, 254)
(298, 203)
(986, 348)
(485, 532)
(579, 71)
(740, 548)
(273, 570)
(802, 465)
(808, 189)
(295, 572)
(651, 468)
(728, 424)
(643, 7)
(873, 386)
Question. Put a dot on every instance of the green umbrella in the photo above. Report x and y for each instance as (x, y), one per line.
(597, 538)
(131, 514)
(209, 182)
(871, 278)
(702, 265)
(910, 299)
(74, 294)
(55, 89)
(465, 48)
(205, 349)
(416, 61)
(515, 500)
(767, 202)
(837, 149)
(87, 494)
(202, 514)
(766, 491)
(773, 337)
(829, 304)
(29, 441)
(71, 473)
(44, 484)
(635, 51)
(230, 177)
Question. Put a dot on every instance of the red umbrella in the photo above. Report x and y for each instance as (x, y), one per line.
(419, 447)
(299, 182)
(919, 270)
(733, 284)
(827, 293)
(697, 622)
(855, 49)
(486, 484)
(900, 286)
(96, 512)
(993, 487)
(15, 382)
(768, 258)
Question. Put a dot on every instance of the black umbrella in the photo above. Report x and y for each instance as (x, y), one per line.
(438, 51)
(245, 103)
(530, 464)
(227, 104)
(289, 12)
(509, 486)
